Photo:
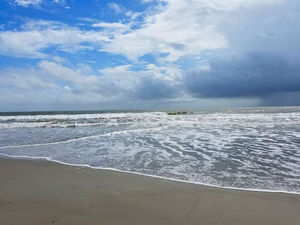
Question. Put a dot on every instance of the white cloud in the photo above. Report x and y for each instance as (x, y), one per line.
(120, 26)
(115, 7)
(76, 77)
(120, 79)
(59, 59)
(67, 88)
(179, 29)
(63, 2)
(169, 73)
(59, 84)
(146, 1)
(26, 3)
(25, 79)
(37, 36)
(54, 83)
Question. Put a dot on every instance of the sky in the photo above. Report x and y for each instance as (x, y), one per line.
(148, 54)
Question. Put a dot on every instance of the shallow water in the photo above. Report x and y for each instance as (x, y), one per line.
(252, 148)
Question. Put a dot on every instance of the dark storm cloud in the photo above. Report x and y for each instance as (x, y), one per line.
(252, 75)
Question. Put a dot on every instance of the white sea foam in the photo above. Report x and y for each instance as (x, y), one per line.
(244, 149)
(154, 176)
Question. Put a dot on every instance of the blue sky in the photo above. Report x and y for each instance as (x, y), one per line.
(148, 54)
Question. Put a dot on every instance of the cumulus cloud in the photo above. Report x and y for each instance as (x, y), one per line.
(167, 32)
(60, 84)
(181, 28)
(50, 85)
(76, 77)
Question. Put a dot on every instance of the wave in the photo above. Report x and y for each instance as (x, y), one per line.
(77, 120)
(82, 138)
(42, 118)
(114, 119)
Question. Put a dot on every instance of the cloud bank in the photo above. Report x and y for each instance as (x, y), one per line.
(163, 52)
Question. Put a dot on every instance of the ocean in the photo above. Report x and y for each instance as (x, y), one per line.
(247, 148)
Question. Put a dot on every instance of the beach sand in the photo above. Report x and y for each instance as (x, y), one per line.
(41, 192)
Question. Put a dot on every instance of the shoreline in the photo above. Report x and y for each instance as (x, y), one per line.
(48, 159)
(34, 192)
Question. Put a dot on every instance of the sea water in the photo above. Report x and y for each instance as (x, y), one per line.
(249, 148)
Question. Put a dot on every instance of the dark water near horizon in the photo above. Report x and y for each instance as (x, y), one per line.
(251, 148)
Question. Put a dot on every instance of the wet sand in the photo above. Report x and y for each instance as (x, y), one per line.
(40, 192)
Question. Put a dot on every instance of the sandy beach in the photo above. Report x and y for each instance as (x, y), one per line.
(40, 192)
